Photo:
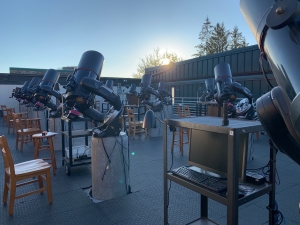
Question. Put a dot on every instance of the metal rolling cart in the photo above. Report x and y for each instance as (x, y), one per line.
(233, 130)
(69, 160)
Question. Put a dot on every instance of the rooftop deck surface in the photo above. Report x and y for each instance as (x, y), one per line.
(144, 205)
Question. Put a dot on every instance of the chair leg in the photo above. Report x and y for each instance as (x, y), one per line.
(13, 187)
(49, 186)
(52, 153)
(5, 190)
(22, 142)
(181, 139)
(17, 140)
(134, 130)
(40, 183)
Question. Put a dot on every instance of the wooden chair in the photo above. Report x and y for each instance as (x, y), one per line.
(23, 120)
(24, 135)
(9, 119)
(33, 123)
(3, 108)
(38, 169)
(181, 131)
(38, 146)
(133, 125)
(186, 111)
(179, 112)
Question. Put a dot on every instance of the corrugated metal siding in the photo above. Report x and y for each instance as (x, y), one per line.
(190, 75)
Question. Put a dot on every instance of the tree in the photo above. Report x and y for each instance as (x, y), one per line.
(237, 39)
(204, 35)
(218, 41)
(215, 39)
(156, 59)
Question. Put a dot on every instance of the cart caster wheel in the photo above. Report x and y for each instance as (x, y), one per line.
(68, 169)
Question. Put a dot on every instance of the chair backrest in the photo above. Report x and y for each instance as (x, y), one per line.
(6, 154)
(9, 114)
(186, 110)
(179, 112)
(3, 108)
(131, 116)
(33, 123)
(17, 117)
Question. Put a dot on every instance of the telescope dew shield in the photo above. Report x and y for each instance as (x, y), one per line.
(161, 86)
(132, 89)
(146, 81)
(90, 65)
(223, 79)
(109, 84)
(32, 87)
(210, 84)
(48, 82)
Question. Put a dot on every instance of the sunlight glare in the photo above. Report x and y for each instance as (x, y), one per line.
(165, 61)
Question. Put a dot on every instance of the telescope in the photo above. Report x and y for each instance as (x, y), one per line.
(227, 89)
(275, 27)
(165, 94)
(109, 84)
(147, 91)
(210, 91)
(20, 94)
(78, 98)
(31, 90)
(132, 89)
(81, 89)
(46, 89)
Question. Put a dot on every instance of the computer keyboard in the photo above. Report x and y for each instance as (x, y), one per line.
(201, 179)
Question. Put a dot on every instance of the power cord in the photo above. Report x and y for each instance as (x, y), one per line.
(278, 216)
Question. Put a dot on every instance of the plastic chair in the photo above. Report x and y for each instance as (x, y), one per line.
(23, 171)
(24, 135)
(133, 125)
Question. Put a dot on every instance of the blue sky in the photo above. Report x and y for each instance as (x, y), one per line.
(55, 33)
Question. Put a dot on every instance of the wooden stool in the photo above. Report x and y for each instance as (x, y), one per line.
(179, 141)
(38, 147)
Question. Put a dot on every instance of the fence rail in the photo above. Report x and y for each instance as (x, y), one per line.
(185, 101)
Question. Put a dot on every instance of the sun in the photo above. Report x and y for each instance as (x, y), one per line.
(165, 61)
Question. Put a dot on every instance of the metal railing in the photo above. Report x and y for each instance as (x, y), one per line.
(184, 101)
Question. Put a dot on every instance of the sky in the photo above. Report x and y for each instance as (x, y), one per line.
(55, 33)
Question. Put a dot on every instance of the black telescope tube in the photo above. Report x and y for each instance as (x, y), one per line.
(48, 82)
(33, 84)
(146, 81)
(23, 89)
(281, 46)
(90, 65)
(132, 88)
(50, 78)
(109, 84)
(161, 85)
(210, 84)
(223, 79)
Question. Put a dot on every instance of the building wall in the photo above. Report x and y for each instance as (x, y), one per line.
(188, 77)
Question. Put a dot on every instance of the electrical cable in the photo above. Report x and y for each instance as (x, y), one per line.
(108, 157)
